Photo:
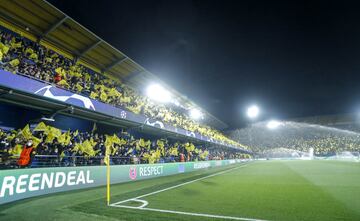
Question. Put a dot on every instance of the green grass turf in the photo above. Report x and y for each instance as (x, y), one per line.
(271, 190)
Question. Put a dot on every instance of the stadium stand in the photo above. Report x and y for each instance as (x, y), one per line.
(107, 76)
(22, 56)
(299, 137)
(53, 147)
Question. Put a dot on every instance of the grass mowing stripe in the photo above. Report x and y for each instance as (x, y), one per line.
(263, 190)
(342, 183)
(64, 206)
(176, 186)
(191, 214)
(161, 183)
(121, 191)
(145, 203)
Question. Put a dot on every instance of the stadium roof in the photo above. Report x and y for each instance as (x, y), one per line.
(40, 21)
(330, 120)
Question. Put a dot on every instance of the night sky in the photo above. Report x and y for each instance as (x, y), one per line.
(292, 58)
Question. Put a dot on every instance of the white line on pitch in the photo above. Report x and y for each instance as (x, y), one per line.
(176, 186)
(191, 214)
(145, 203)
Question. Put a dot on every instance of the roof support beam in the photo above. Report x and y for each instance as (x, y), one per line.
(132, 75)
(86, 50)
(115, 63)
(52, 28)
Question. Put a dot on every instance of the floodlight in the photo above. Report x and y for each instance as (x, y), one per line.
(253, 111)
(158, 93)
(51, 119)
(273, 124)
(195, 114)
(176, 102)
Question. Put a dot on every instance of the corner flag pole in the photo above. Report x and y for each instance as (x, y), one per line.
(108, 180)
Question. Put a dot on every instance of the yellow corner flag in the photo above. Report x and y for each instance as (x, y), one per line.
(107, 161)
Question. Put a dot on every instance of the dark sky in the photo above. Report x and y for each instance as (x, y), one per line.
(292, 58)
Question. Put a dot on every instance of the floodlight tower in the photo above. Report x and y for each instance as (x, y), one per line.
(253, 112)
(273, 124)
(158, 93)
(196, 114)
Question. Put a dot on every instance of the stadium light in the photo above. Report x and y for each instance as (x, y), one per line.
(195, 114)
(273, 124)
(51, 119)
(158, 93)
(253, 111)
(176, 102)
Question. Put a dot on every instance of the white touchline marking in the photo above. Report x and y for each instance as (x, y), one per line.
(191, 214)
(176, 186)
(145, 203)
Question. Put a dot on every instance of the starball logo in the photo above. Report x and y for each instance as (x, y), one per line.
(46, 92)
(132, 173)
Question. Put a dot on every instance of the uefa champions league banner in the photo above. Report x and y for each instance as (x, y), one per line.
(25, 84)
(24, 183)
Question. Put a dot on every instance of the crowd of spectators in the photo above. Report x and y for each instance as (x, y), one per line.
(71, 148)
(325, 141)
(22, 56)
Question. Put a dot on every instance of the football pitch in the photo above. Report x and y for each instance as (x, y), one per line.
(262, 190)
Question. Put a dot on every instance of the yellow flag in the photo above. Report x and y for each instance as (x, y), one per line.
(142, 142)
(11, 137)
(108, 148)
(160, 143)
(189, 147)
(62, 155)
(58, 70)
(63, 83)
(116, 139)
(76, 133)
(103, 96)
(62, 138)
(113, 93)
(16, 150)
(16, 45)
(146, 156)
(56, 132)
(36, 141)
(14, 62)
(29, 51)
(87, 148)
(41, 127)
(26, 133)
(174, 151)
(67, 138)
(122, 142)
(108, 143)
(93, 95)
(79, 87)
(92, 142)
(34, 56)
(78, 147)
(130, 151)
(148, 145)
(49, 138)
